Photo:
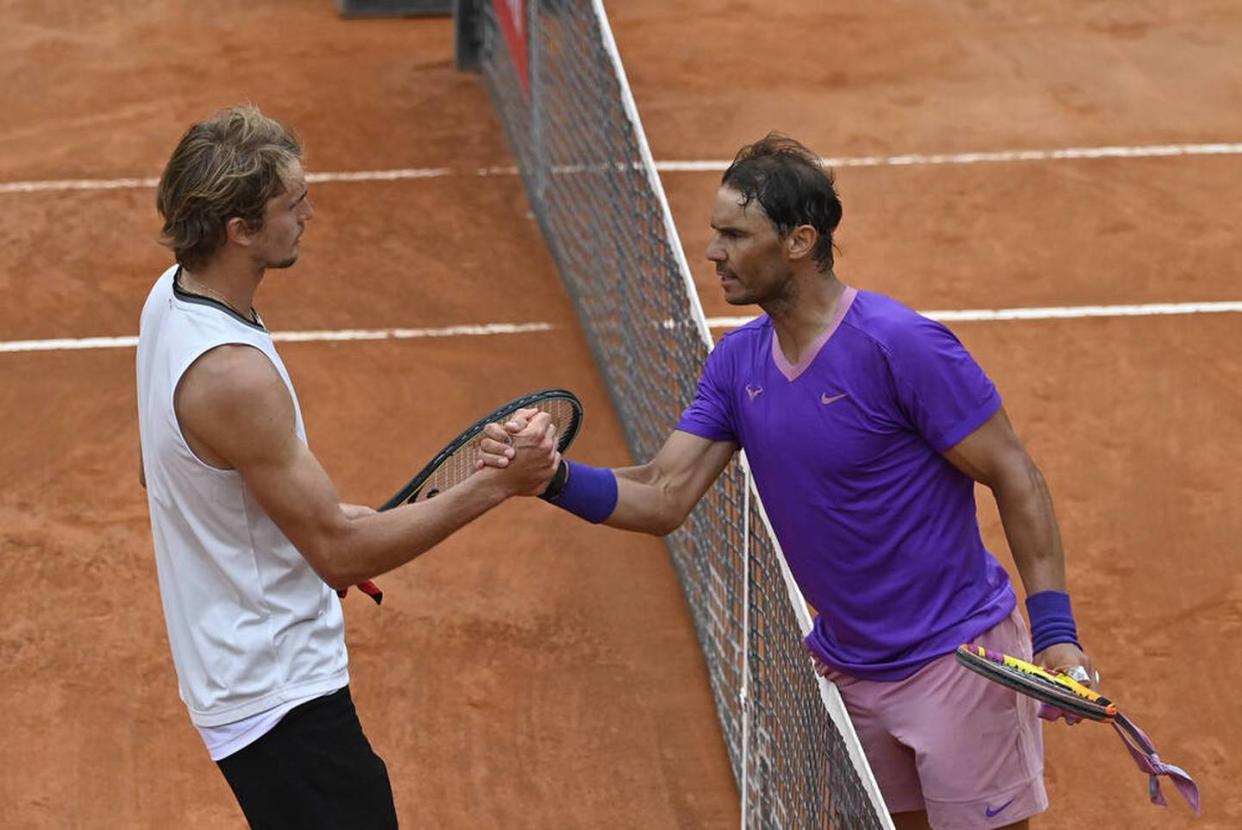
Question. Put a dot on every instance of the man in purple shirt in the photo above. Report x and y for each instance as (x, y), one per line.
(866, 426)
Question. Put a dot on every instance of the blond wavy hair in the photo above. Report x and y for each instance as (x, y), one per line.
(225, 167)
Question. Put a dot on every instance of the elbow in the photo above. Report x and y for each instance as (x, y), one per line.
(1018, 479)
(338, 584)
(329, 556)
(341, 570)
(338, 578)
(329, 568)
(648, 502)
(669, 520)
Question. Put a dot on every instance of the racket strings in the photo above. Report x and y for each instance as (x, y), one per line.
(460, 465)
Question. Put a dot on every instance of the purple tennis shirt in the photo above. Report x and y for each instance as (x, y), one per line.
(878, 528)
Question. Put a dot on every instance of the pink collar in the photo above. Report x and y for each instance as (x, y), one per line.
(792, 370)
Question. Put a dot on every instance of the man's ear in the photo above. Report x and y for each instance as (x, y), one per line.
(238, 231)
(801, 242)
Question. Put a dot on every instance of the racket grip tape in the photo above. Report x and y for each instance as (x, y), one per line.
(367, 587)
(372, 590)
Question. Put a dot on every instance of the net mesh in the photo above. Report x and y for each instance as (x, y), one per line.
(583, 160)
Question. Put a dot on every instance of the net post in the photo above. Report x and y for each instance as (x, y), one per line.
(466, 35)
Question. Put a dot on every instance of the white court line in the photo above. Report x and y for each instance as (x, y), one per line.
(1065, 153)
(66, 344)
(1062, 154)
(979, 314)
(1049, 313)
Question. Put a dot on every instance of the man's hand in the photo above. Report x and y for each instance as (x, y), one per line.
(1067, 658)
(496, 448)
(522, 461)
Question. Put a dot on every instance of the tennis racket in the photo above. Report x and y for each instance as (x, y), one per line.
(1058, 690)
(1064, 693)
(456, 462)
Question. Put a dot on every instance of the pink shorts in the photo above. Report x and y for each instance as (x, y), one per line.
(968, 751)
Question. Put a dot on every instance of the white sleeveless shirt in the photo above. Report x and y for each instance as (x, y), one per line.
(252, 627)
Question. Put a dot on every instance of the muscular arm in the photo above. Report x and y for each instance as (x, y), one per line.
(236, 412)
(993, 455)
(657, 496)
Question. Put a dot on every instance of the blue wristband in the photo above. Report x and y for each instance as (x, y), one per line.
(588, 492)
(1052, 621)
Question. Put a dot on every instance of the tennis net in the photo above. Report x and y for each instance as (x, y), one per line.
(556, 79)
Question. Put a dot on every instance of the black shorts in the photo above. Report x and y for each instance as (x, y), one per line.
(315, 769)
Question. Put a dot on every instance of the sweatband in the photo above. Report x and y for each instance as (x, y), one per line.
(587, 492)
(1052, 621)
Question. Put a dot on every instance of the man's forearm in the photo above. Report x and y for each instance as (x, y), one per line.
(1035, 540)
(366, 546)
(627, 498)
(654, 497)
(1026, 511)
(643, 505)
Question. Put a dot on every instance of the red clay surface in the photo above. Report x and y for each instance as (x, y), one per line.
(534, 671)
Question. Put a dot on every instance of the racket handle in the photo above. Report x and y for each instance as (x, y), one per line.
(372, 590)
(367, 587)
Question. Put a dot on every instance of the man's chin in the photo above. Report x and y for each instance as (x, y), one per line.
(284, 263)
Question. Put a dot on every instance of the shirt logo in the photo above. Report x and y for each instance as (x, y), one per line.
(991, 813)
(754, 391)
(825, 399)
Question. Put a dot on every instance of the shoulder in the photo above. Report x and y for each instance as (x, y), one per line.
(892, 326)
(739, 347)
(234, 402)
(232, 376)
(747, 337)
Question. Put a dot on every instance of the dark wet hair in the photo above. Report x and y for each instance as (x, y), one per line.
(792, 186)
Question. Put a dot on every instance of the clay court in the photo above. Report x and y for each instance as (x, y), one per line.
(534, 671)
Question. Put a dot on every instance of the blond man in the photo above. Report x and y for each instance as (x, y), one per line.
(251, 542)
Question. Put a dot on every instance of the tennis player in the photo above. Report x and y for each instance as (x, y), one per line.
(250, 539)
(866, 426)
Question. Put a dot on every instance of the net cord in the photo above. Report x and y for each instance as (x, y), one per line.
(649, 169)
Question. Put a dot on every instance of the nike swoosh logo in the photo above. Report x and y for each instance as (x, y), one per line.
(993, 813)
(824, 399)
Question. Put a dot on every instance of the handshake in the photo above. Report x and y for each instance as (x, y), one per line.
(522, 452)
